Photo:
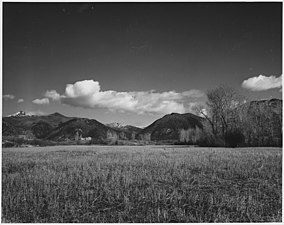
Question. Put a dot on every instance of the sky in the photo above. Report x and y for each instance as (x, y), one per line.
(133, 63)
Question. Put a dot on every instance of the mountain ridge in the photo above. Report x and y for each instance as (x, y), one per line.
(174, 127)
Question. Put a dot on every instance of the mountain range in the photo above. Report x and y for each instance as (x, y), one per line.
(171, 128)
(60, 128)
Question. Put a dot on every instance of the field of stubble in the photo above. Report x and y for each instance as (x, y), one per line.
(141, 184)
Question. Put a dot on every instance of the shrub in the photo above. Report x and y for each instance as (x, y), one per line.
(8, 144)
(14, 142)
(210, 140)
(234, 138)
(40, 142)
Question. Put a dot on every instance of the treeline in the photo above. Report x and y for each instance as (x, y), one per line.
(232, 120)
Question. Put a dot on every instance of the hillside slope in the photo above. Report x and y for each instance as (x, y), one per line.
(34, 126)
(179, 127)
(82, 128)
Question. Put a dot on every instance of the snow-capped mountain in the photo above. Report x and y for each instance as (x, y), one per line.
(18, 114)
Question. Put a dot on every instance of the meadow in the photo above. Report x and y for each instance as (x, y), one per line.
(141, 184)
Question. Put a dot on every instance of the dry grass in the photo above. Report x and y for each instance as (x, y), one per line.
(141, 184)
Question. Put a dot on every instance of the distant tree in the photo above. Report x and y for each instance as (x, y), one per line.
(262, 124)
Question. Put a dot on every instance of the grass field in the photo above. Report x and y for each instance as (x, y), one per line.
(141, 184)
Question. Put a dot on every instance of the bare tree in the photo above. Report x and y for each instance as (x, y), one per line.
(223, 105)
(202, 110)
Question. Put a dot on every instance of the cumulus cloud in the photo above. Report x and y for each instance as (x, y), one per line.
(20, 100)
(52, 95)
(43, 101)
(88, 94)
(8, 97)
(262, 83)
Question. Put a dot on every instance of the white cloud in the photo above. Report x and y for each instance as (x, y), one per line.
(193, 93)
(8, 97)
(262, 83)
(43, 101)
(88, 94)
(53, 95)
(82, 88)
(20, 100)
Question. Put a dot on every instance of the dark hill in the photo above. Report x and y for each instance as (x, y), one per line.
(41, 129)
(8, 129)
(88, 128)
(39, 126)
(55, 119)
(172, 127)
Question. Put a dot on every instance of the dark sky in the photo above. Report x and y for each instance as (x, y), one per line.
(135, 47)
